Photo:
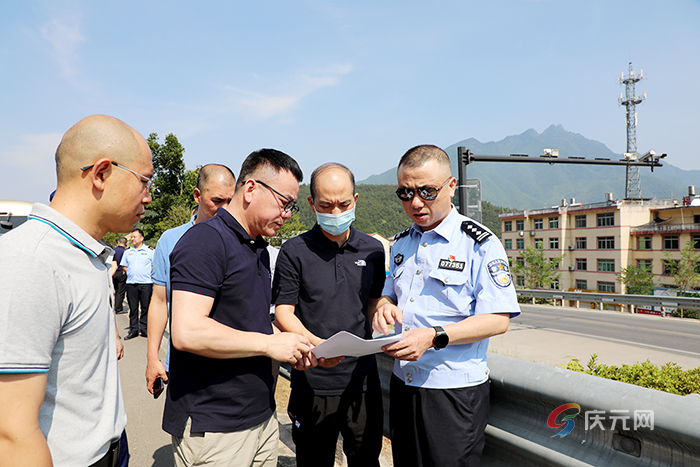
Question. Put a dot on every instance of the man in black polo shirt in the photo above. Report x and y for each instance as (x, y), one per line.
(329, 279)
(220, 407)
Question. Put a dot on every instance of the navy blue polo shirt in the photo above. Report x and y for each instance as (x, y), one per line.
(218, 259)
(330, 287)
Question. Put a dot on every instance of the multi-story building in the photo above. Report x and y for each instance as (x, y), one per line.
(599, 239)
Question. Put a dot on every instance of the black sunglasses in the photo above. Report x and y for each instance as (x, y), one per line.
(427, 193)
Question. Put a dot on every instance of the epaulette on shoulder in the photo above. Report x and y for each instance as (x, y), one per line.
(402, 234)
(476, 231)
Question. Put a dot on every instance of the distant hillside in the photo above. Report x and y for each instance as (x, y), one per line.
(531, 186)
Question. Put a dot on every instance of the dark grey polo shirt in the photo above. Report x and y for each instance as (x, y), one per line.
(330, 287)
(218, 259)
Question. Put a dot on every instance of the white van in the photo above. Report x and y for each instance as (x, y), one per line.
(12, 214)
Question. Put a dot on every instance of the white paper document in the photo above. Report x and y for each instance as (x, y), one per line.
(345, 344)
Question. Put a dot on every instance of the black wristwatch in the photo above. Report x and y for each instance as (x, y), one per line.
(441, 338)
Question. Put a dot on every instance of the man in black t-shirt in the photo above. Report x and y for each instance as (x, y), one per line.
(220, 407)
(327, 280)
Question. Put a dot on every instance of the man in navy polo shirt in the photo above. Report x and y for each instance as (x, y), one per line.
(220, 407)
(138, 261)
(329, 279)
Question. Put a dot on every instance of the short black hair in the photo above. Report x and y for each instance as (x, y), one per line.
(419, 155)
(330, 165)
(276, 160)
(139, 231)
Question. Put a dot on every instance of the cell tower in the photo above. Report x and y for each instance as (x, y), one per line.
(633, 188)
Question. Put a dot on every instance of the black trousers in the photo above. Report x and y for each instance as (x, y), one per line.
(119, 281)
(138, 295)
(437, 427)
(317, 421)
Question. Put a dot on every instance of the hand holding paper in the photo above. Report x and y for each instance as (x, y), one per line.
(345, 344)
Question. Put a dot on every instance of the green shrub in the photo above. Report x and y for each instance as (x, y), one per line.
(668, 377)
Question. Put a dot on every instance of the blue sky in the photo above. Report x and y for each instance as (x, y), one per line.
(358, 82)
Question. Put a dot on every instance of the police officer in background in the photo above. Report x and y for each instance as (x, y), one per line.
(448, 291)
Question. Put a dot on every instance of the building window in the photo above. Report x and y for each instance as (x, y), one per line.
(671, 242)
(538, 224)
(520, 225)
(539, 243)
(520, 244)
(581, 264)
(644, 243)
(606, 265)
(554, 284)
(509, 244)
(553, 222)
(508, 226)
(581, 284)
(606, 219)
(581, 243)
(606, 243)
(520, 261)
(644, 264)
(520, 281)
(696, 242)
(581, 221)
(553, 243)
(606, 286)
(670, 267)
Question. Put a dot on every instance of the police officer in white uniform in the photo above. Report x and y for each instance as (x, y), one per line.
(448, 291)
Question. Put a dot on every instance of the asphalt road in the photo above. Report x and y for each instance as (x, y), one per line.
(556, 335)
(673, 335)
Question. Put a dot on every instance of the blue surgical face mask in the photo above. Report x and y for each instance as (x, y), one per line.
(336, 224)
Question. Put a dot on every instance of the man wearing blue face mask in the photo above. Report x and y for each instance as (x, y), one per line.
(329, 279)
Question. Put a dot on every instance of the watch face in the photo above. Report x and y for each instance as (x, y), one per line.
(441, 340)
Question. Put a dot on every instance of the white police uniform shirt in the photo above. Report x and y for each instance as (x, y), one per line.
(442, 276)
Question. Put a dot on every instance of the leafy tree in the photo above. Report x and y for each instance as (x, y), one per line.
(637, 280)
(538, 271)
(172, 189)
(685, 269)
(111, 238)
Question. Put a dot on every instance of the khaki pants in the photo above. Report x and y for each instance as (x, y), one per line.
(254, 447)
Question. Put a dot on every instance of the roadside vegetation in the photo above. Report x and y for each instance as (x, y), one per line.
(668, 377)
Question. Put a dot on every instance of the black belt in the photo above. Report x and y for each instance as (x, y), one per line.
(109, 459)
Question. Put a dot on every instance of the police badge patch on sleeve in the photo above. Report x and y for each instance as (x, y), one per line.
(499, 272)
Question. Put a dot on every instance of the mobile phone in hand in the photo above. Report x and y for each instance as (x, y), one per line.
(158, 387)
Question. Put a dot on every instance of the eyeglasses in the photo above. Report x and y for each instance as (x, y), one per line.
(148, 181)
(289, 206)
(427, 193)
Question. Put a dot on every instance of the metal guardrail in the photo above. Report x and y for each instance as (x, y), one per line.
(612, 298)
(524, 394)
